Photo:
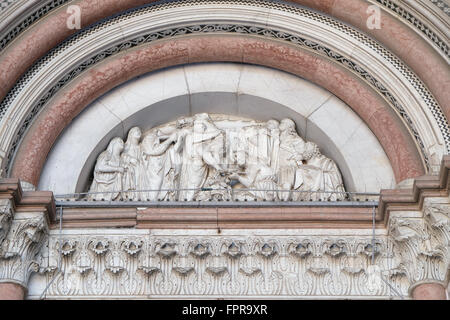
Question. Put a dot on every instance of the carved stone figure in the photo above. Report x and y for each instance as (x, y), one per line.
(217, 157)
(199, 151)
(154, 163)
(108, 173)
(290, 158)
(131, 161)
(320, 175)
(273, 127)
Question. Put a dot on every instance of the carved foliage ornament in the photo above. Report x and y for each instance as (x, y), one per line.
(18, 255)
(422, 244)
(220, 266)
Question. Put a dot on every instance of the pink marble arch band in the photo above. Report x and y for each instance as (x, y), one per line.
(394, 34)
(393, 136)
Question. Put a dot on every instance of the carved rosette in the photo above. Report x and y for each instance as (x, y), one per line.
(19, 251)
(421, 245)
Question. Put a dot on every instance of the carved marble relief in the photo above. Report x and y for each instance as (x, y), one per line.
(216, 157)
(217, 266)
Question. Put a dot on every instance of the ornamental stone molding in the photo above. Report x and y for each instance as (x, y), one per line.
(5, 3)
(302, 263)
(22, 13)
(442, 5)
(141, 265)
(24, 222)
(144, 264)
(422, 17)
(431, 141)
(20, 248)
(114, 245)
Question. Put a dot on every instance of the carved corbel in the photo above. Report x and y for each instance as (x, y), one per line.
(18, 255)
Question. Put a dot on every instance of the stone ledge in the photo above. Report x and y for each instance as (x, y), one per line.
(255, 218)
(106, 218)
(412, 199)
(33, 201)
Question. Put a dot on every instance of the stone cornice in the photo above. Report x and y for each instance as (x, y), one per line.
(220, 217)
(413, 198)
(32, 201)
(10, 189)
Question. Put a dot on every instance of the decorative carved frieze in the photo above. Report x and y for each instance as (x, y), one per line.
(217, 266)
(18, 253)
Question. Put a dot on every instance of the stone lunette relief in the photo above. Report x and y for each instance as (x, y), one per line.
(228, 158)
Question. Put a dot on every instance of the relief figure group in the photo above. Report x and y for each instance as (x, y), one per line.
(200, 159)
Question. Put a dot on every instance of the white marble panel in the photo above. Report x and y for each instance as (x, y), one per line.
(357, 145)
(302, 96)
(144, 91)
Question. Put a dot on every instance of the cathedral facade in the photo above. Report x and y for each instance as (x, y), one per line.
(222, 149)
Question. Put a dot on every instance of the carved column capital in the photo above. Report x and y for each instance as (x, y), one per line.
(18, 252)
(422, 244)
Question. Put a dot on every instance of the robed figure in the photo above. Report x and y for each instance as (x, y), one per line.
(108, 171)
